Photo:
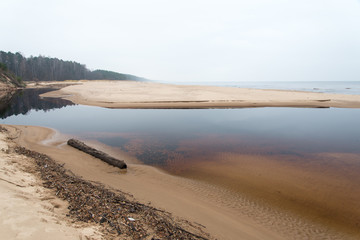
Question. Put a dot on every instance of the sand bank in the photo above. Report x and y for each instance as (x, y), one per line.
(130, 94)
(220, 212)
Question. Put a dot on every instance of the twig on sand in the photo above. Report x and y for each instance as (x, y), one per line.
(18, 185)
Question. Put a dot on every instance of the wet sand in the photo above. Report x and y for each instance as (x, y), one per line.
(225, 212)
(131, 94)
(323, 190)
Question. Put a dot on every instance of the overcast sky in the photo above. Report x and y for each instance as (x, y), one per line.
(197, 40)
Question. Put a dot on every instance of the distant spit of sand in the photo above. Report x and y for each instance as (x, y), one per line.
(131, 94)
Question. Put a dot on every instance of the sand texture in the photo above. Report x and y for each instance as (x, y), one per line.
(131, 94)
(28, 210)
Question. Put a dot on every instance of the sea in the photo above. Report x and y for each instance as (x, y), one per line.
(340, 87)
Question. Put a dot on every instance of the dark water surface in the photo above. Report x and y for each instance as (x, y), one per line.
(28, 99)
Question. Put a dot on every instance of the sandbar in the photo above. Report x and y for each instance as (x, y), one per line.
(132, 94)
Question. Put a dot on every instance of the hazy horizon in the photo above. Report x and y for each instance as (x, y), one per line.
(193, 41)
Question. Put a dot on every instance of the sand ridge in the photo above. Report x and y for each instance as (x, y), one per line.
(131, 94)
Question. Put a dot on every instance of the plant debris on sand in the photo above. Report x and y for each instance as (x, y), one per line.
(120, 217)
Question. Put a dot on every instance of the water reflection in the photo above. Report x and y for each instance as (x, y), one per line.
(25, 100)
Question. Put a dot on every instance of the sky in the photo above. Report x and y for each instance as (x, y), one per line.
(192, 40)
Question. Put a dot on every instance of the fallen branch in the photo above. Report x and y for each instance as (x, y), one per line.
(96, 153)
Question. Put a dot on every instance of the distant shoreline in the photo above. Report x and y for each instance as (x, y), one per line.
(332, 87)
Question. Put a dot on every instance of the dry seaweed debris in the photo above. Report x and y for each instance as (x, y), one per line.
(2, 129)
(120, 217)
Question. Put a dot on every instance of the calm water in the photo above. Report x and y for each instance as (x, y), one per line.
(159, 137)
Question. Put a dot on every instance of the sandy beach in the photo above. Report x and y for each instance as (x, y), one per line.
(28, 210)
(130, 94)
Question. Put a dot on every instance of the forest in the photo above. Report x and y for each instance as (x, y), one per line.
(53, 69)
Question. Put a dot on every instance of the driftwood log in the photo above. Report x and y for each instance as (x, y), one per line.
(96, 153)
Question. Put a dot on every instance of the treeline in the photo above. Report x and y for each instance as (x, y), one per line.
(109, 75)
(8, 77)
(53, 69)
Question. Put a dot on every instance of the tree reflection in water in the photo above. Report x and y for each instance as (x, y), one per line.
(27, 99)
